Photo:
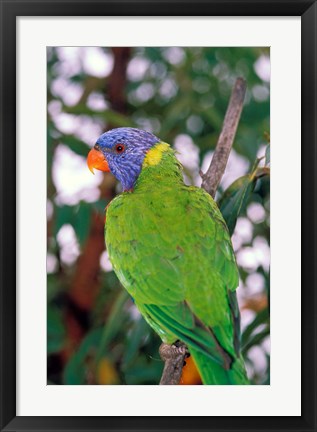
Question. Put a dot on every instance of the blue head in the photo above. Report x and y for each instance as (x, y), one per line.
(124, 150)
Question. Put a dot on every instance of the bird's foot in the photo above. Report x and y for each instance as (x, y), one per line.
(174, 358)
(178, 349)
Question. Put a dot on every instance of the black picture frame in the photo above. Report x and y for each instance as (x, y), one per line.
(10, 9)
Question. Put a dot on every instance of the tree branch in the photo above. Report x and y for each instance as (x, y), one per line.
(174, 358)
(174, 355)
(212, 177)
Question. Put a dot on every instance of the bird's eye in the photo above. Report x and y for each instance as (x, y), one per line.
(119, 148)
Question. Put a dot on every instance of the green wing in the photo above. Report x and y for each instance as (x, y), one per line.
(172, 251)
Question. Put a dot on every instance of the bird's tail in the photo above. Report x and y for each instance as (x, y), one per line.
(213, 373)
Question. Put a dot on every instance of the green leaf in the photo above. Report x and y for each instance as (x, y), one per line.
(256, 340)
(76, 369)
(144, 372)
(213, 117)
(114, 118)
(261, 318)
(235, 198)
(133, 342)
(55, 330)
(100, 205)
(94, 345)
(75, 144)
(54, 286)
(113, 324)
(81, 221)
(117, 119)
(77, 216)
(62, 215)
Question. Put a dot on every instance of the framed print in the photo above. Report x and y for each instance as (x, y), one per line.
(213, 298)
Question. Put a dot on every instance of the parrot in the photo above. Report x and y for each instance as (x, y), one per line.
(171, 250)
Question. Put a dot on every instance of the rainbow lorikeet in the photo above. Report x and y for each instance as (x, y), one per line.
(171, 250)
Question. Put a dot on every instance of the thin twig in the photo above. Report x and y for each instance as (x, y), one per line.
(174, 355)
(212, 177)
(174, 358)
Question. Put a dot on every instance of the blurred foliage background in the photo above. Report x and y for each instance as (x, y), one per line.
(95, 335)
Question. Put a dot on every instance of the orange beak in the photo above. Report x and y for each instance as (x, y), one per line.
(96, 159)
